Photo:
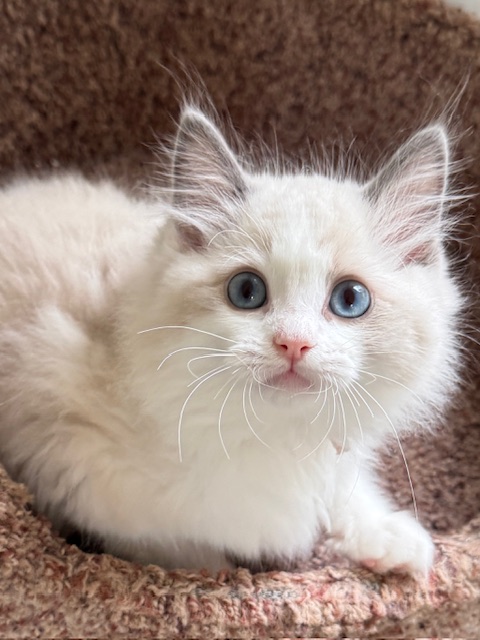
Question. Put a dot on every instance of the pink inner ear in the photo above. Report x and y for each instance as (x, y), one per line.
(191, 237)
(422, 254)
(420, 250)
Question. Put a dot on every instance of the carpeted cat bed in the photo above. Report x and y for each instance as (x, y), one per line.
(83, 84)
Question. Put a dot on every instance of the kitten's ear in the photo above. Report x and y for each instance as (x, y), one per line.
(208, 182)
(408, 197)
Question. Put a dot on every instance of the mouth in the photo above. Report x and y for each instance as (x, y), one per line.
(290, 381)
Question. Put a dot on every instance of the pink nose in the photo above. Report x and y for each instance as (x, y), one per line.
(291, 348)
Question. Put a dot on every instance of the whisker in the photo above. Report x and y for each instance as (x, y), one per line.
(363, 399)
(351, 396)
(320, 391)
(251, 403)
(172, 353)
(344, 441)
(225, 384)
(305, 393)
(220, 418)
(402, 452)
(260, 392)
(248, 420)
(182, 410)
(323, 404)
(181, 326)
(388, 352)
(330, 427)
(357, 478)
(302, 442)
(221, 354)
(400, 384)
(206, 375)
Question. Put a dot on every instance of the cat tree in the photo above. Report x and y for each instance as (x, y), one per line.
(83, 84)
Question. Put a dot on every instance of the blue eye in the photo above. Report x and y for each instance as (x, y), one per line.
(247, 290)
(350, 299)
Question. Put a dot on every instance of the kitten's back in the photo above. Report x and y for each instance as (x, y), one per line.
(68, 242)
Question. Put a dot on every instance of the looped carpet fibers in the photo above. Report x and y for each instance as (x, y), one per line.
(83, 84)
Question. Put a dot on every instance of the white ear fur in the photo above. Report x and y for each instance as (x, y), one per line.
(409, 194)
(208, 182)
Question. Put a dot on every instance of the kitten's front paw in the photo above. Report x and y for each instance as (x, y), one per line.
(395, 543)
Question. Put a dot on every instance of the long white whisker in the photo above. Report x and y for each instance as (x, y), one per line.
(350, 393)
(260, 391)
(182, 410)
(357, 478)
(320, 391)
(351, 396)
(325, 391)
(305, 393)
(330, 427)
(222, 354)
(207, 374)
(248, 420)
(250, 401)
(220, 418)
(172, 353)
(225, 384)
(208, 333)
(302, 442)
(402, 452)
(387, 352)
(344, 421)
(400, 384)
(362, 398)
(307, 425)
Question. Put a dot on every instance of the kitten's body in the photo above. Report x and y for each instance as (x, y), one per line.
(167, 466)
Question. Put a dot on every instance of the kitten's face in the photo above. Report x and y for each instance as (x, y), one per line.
(311, 285)
(309, 298)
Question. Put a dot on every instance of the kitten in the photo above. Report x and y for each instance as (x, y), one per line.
(207, 375)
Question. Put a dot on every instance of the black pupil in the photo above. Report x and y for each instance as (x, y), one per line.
(247, 289)
(349, 296)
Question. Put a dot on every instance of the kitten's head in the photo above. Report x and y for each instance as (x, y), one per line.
(319, 291)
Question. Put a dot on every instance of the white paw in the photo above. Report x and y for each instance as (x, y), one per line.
(396, 542)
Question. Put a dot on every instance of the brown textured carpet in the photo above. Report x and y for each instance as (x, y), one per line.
(82, 84)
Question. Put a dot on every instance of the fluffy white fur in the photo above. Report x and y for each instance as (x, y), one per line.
(142, 407)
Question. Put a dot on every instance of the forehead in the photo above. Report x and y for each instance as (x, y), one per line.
(309, 218)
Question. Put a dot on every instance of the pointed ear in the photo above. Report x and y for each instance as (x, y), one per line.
(408, 197)
(207, 180)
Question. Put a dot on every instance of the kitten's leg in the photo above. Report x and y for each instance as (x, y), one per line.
(365, 527)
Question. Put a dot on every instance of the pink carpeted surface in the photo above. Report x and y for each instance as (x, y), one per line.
(83, 84)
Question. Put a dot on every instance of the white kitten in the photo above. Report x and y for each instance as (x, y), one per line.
(207, 377)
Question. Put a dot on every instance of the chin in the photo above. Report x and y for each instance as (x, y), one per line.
(288, 384)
